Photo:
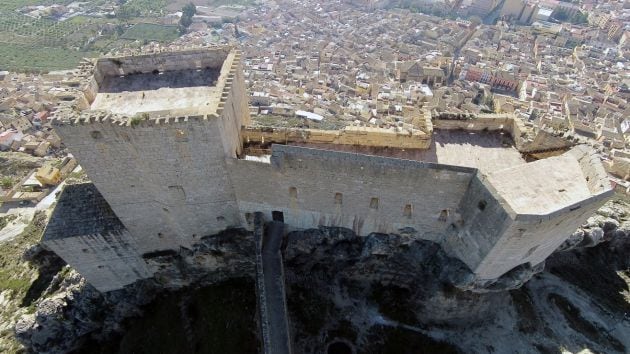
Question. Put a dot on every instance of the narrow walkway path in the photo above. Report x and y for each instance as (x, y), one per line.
(274, 285)
(276, 337)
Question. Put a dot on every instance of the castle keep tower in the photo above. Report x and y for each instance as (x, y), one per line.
(152, 133)
(155, 138)
(163, 138)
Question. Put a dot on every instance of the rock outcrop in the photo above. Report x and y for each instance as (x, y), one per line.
(71, 311)
(336, 261)
(368, 291)
(610, 223)
(229, 254)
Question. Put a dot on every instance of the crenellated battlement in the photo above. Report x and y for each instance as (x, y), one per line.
(117, 89)
(230, 74)
(105, 117)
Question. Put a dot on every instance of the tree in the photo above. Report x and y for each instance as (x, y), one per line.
(579, 18)
(6, 182)
(561, 15)
(126, 12)
(188, 11)
(475, 20)
(478, 97)
(120, 30)
(185, 21)
(489, 101)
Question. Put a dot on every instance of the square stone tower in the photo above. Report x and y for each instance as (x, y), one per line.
(152, 131)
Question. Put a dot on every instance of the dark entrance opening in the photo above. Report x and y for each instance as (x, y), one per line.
(277, 216)
(339, 348)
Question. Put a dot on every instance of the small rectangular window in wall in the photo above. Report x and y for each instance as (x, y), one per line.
(181, 135)
(338, 198)
(374, 203)
(408, 210)
(293, 192)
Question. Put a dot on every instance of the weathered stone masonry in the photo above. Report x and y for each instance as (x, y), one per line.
(173, 176)
(313, 187)
(85, 232)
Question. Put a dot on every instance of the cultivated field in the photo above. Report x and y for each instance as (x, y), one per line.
(30, 43)
(175, 5)
(150, 31)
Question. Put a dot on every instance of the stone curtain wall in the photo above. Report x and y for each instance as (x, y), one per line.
(354, 136)
(365, 193)
(166, 182)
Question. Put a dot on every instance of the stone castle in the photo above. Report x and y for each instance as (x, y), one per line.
(166, 139)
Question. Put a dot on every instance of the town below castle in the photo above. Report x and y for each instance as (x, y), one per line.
(354, 171)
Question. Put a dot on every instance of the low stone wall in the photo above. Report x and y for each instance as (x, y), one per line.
(351, 135)
(167, 61)
(490, 122)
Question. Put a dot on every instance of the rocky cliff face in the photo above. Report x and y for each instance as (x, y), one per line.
(378, 294)
(610, 223)
(373, 292)
(70, 311)
(229, 254)
(334, 259)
